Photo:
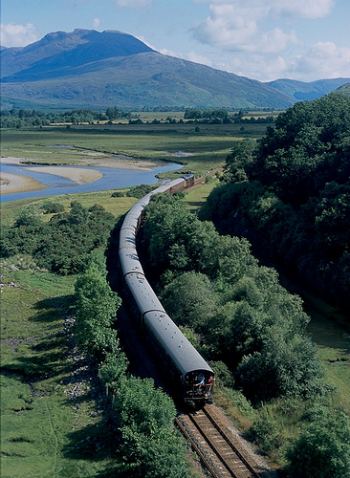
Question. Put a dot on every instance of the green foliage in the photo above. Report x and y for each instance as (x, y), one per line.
(150, 446)
(117, 194)
(112, 370)
(63, 244)
(223, 375)
(140, 191)
(18, 118)
(284, 366)
(291, 197)
(189, 300)
(265, 432)
(96, 307)
(323, 448)
(50, 207)
(239, 158)
(239, 310)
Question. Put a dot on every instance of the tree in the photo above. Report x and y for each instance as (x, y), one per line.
(96, 307)
(151, 447)
(323, 448)
(189, 300)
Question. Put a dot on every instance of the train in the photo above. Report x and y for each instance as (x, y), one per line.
(190, 374)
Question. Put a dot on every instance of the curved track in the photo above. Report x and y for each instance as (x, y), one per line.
(220, 451)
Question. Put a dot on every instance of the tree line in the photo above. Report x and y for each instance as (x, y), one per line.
(18, 118)
(290, 195)
(223, 116)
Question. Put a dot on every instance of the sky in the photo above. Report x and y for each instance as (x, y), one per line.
(262, 39)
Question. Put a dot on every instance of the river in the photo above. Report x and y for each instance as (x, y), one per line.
(112, 178)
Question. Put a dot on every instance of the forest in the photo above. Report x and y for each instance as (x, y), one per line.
(290, 195)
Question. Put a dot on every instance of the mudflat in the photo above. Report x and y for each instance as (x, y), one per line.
(78, 175)
(15, 183)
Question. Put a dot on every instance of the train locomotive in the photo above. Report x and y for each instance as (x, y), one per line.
(193, 377)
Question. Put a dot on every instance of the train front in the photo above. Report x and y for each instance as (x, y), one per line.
(198, 387)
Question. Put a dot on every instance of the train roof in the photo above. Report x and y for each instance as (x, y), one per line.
(143, 294)
(127, 238)
(174, 343)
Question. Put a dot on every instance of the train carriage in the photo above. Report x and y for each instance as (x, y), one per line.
(194, 378)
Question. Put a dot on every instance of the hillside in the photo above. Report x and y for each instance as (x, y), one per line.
(344, 90)
(302, 91)
(89, 68)
(86, 68)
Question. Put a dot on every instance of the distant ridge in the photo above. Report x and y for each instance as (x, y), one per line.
(301, 90)
(344, 89)
(86, 68)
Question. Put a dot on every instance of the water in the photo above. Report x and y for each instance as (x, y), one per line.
(113, 178)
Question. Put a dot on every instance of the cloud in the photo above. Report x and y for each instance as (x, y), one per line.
(96, 22)
(323, 60)
(13, 34)
(302, 8)
(235, 27)
(133, 3)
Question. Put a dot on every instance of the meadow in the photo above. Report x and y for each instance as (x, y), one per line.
(51, 418)
(206, 148)
(48, 411)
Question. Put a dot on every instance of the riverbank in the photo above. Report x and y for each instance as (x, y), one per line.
(16, 183)
(91, 159)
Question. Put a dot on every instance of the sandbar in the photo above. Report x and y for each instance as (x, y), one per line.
(78, 175)
(94, 159)
(15, 183)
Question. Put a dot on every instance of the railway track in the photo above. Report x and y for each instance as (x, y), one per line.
(219, 449)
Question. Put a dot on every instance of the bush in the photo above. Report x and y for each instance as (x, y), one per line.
(151, 447)
(64, 243)
(118, 194)
(265, 433)
(189, 300)
(96, 307)
(323, 448)
(140, 191)
(50, 207)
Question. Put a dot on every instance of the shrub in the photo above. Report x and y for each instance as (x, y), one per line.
(265, 433)
(50, 207)
(323, 448)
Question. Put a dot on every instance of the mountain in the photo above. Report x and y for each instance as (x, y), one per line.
(86, 68)
(301, 90)
(344, 89)
(57, 53)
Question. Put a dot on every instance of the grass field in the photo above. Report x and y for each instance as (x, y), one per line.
(333, 345)
(208, 147)
(51, 425)
(116, 206)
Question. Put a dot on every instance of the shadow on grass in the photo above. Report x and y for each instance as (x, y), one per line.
(47, 358)
(93, 442)
(53, 308)
(195, 203)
